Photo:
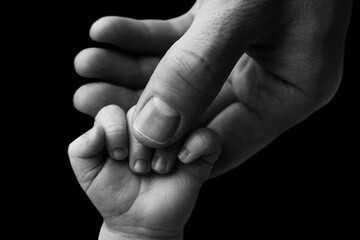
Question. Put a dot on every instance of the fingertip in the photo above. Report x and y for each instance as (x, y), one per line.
(82, 99)
(94, 29)
(98, 27)
(90, 98)
(80, 62)
(86, 62)
(183, 155)
(156, 123)
(203, 143)
(139, 155)
(160, 165)
(165, 158)
(140, 166)
(119, 153)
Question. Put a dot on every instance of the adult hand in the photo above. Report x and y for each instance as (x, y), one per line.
(282, 61)
(135, 206)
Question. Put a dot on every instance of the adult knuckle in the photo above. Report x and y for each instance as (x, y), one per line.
(194, 71)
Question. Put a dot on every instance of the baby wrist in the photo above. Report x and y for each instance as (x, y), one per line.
(107, 233)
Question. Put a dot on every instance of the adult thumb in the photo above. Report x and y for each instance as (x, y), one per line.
(191, 73)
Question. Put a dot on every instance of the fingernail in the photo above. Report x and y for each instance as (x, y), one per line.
(157, 121)
(184, 153)
(119, 153)
(160, 165)
(141, 166)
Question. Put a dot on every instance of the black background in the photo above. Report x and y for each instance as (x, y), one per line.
(303, 184)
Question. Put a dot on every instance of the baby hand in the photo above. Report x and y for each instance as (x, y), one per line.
(145, 206)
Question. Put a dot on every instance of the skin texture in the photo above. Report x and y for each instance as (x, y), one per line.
(138, 206)
(253, 71)
(250, 73)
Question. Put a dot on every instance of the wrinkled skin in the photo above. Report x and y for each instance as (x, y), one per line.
(292, 66)
(247, 69)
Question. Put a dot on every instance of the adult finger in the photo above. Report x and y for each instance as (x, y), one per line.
(116, 67)
(193, 71)
(225, 98)
(92, 97)
(140, 36)
(113, 120)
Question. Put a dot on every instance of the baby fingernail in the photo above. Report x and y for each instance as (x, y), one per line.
(160, 165)
(184, 153)
(141, 166)
(119, 153)
(157, 121)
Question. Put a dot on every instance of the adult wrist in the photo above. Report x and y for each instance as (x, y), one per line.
(138, 233)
